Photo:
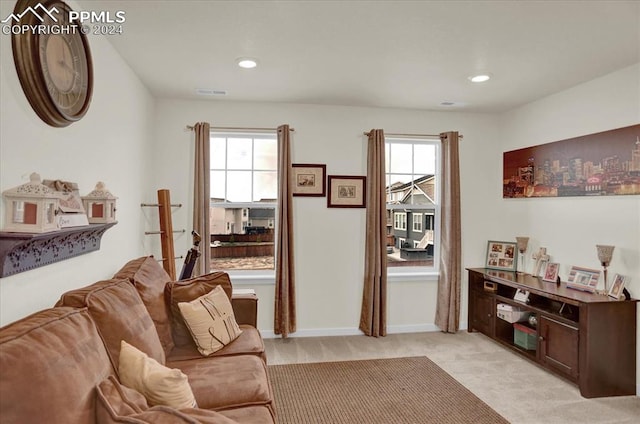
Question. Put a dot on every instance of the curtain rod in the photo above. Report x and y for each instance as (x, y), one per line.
(411, 135)
(190, 128)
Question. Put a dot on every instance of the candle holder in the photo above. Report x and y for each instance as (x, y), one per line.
(605, 253)
(522, 243)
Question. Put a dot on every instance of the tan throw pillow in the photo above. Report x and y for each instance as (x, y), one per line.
(159, 385)
(210, 321)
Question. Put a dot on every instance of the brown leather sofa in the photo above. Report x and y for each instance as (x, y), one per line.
(60, 365)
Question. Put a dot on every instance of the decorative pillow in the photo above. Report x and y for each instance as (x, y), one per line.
(159, 385)
(210, 321)
(187, 290)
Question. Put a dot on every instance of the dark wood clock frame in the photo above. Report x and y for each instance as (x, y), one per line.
(57, 106)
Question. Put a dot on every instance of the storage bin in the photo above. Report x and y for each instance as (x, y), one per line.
(524, 337)
(511, 313)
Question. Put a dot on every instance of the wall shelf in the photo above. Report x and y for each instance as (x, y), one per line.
(21, 252)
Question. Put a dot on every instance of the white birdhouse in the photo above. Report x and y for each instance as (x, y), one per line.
(100, 205)
(30, 207)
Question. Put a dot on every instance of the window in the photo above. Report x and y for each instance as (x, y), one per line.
(244, 174)
(412, 167)
(417, 222)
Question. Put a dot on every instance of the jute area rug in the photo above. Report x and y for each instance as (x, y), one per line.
(380, 391)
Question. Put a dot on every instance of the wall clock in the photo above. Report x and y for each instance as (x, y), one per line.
(53, 62)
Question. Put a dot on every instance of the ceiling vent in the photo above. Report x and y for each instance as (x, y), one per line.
(210, 92)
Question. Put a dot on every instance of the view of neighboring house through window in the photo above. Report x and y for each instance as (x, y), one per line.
(243, 200)
(412, 201)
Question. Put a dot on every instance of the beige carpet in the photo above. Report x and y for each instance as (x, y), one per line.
(410, 390)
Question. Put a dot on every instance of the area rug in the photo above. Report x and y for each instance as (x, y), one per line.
(379, 391)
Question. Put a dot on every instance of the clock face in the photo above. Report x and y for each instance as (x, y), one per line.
(54, 66)
(65, 68)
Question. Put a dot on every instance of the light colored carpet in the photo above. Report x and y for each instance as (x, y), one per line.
(375, 391)
(517, 389)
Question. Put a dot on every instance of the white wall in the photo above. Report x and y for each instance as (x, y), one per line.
(110, 144)
(571, 227)
(329, 243)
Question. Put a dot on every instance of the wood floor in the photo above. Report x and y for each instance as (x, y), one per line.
(519, 390)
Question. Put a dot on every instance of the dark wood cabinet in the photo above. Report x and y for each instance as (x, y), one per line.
(558, 345)
(483, 313)
(587, 338)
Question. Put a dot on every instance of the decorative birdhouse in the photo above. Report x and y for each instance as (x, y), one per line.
(30, 207)
(100, 205)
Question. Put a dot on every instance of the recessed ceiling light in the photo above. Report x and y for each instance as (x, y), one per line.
(480, 78)
(246, 62)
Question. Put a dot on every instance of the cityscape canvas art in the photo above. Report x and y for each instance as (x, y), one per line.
(600, 164)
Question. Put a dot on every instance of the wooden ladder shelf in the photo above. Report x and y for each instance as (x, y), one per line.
(166, 231)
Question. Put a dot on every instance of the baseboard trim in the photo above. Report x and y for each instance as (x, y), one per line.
(352, 331)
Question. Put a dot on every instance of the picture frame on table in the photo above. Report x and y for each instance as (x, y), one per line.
(617, 286)
(346, 191)
(308, 179)
(551, 272)
(501, 255)
(585, 279)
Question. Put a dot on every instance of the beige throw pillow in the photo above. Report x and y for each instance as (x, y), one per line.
(210, 321)
(159, 385)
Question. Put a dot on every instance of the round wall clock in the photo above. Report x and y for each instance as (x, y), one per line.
(53, 61)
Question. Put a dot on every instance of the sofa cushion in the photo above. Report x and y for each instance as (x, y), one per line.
(186, 291)
(119, 404)
(159, 385)
(50, 363)
(258, 414)
(227, 382)
(210, 321)
(149, 279)
(249, 342)
(119, 314)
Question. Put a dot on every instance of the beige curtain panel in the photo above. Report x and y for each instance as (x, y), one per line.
(373, 315)
(285, 294)
(201, 195)
(449, 278)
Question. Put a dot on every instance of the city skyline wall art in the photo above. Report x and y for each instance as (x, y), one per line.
(600, 164)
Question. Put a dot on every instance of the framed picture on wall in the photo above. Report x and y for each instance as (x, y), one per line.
(501, 255)
(308, 179)
(346, 191)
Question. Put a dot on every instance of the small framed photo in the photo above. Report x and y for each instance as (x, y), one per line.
(583, 279)
(501, 255)
(308, 179)
(347, 191)
(551, 272)
(619, 281)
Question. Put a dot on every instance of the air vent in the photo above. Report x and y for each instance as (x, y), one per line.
(210, 92)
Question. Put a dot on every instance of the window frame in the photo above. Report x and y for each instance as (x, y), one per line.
(400, 221)
(415, 221)
(418, 273)
(247, 276)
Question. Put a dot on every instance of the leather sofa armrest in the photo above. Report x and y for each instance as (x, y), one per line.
(245, 308)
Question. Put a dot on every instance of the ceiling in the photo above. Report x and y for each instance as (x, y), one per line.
(400, 54)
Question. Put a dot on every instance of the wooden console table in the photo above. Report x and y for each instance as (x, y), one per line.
(588, 338)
